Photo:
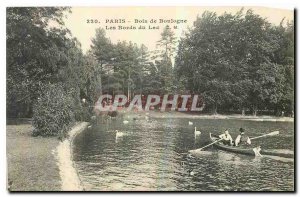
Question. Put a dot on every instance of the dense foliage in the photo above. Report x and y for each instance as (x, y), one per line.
(128, 68)
(237, 62)
(41, 52)
(53, 112)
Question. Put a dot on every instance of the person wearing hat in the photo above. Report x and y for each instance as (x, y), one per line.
(226, 138)
(242, 138)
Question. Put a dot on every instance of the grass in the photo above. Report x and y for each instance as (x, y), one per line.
(31, 161)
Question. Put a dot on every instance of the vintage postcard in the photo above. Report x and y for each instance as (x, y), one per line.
(150, 99)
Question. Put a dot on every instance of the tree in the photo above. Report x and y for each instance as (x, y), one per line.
(34, 54)
(42, 58)
(102, 48)
(203, 59)
(245, 46)
(123, 65)
(164, 58)
(284, 59)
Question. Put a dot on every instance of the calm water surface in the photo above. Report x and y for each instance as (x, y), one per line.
(153, 155)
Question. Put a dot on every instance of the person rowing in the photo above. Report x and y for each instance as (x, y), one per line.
(226, 138)
(242, 138)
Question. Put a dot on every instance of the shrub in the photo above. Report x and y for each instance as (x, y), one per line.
(53, 113)
(82, 114)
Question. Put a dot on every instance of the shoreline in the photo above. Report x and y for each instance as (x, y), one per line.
(175, 114)
(70, 180)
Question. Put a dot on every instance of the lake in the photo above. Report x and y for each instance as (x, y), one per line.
(153, 156)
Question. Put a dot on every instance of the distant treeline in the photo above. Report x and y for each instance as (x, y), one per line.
(236, 62)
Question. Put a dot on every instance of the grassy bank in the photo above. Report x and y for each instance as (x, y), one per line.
(31, 161)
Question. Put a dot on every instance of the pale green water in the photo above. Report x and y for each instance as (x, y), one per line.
(153, 155)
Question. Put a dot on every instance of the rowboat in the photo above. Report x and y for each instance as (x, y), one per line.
(233, 149)
(247, 151)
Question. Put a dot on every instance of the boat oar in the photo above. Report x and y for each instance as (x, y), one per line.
(268, 134)
(199, 149)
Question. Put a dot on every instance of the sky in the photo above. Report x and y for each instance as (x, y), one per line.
(79, 21)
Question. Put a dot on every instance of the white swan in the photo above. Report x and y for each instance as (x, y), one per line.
(90, 126)
(125, 121)
(119, 134)
(197, 132)
(191, 172)
(190, 123)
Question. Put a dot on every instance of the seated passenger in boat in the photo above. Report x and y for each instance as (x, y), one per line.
(226, 138)
(242, 138)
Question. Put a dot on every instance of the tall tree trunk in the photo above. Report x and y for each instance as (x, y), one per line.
(255, 110)
(100, 81)
(100, 84)
(215, 108)
(128, 86)
(243, 111)
(128, 92)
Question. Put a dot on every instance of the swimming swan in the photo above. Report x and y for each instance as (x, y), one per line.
(125, 121)
(190, 123)
(191, 172)
(119, 134)
(197, 132)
